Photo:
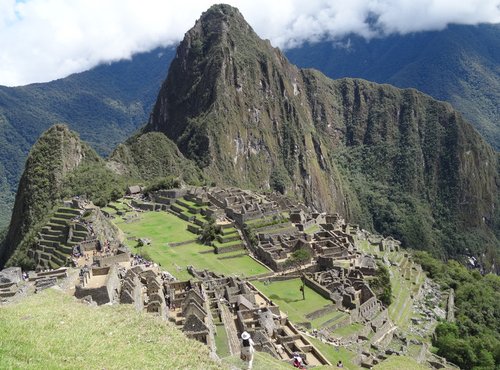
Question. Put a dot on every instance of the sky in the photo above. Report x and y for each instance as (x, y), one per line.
(42, 40)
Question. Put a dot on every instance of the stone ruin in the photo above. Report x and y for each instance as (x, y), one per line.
(100, 283)
(347, 289)
(239, 307)
(138, 286)
(10, 279)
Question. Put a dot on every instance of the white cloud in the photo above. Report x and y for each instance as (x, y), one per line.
(41, 40)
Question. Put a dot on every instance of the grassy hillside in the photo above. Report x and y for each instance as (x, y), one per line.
(52, 330)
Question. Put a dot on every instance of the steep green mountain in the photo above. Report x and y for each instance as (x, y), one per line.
(105, 105)
(151, 157)
(392, 159)
(59, 164)
(460, 64)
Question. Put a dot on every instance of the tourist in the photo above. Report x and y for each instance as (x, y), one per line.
(247, 349)
(340, 364)
(297, 361)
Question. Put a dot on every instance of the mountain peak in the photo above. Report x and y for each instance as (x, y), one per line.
(221, 12)
(249, 118)
(221, 24)
(217, 56)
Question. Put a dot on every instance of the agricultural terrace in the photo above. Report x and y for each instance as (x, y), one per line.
(405, 280)
(163, 229)
(287, 295)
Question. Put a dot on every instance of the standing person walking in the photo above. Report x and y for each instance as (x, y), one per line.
(247, 349)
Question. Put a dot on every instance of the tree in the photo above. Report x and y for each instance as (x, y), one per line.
(299, 258)
(209, 232)
(381, 285)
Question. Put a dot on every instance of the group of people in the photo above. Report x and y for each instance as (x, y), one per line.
(139, 260)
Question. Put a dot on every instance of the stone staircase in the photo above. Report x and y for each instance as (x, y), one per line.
(57, 238)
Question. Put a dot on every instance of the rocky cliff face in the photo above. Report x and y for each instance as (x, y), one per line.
(395, 159)
(236, 106)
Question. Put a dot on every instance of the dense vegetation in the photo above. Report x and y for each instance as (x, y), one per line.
(381, 284)
(458, 64)
(95, 182)
(154, 158)
(473, 340)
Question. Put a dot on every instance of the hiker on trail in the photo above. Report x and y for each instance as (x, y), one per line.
(247, 349)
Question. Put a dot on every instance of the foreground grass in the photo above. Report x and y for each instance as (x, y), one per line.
(54, 331)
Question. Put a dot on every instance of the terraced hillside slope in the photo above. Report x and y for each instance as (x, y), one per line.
(59, 164)
(392, 159)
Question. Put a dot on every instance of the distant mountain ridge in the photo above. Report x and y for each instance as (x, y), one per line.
(105, 105)
(460, 64)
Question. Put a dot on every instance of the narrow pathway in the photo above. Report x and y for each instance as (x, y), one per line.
(232, 332)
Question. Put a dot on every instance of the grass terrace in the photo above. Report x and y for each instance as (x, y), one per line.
(163, 228)
(312, 229)
(399, 363)
(287, 295)
(160, 227)
(335, 354)
(176, 259)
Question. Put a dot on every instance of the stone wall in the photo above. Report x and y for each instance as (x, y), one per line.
(105, 293)
(318, 289)
(111, 260)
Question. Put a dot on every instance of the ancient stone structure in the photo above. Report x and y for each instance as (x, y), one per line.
(240, 307)
(101, 283)
(10, 278)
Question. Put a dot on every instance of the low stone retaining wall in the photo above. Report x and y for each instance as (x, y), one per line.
(230, 248)
(321, 312)
(173, 245)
